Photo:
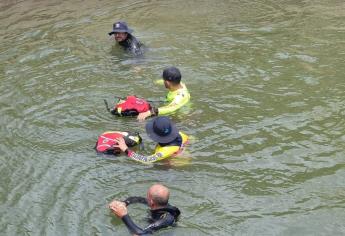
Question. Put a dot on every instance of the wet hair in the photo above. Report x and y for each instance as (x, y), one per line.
(172, 74)
(161, 201)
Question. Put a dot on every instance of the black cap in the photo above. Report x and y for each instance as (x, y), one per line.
(120, 27)
(161, 129)
(172, 74)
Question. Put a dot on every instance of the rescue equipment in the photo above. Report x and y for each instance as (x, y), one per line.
(106, 141)
(131, 106)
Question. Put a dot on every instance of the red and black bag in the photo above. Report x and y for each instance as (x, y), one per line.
(106, 141)
(131, 106)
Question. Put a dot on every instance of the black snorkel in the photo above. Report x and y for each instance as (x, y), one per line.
(106, 105)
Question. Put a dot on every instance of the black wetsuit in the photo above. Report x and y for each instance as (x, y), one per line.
(131, 44)
(159, 218)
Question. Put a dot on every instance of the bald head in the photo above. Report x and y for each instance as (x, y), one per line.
(159, 194)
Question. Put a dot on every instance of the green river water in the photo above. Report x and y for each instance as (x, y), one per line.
(266, 115)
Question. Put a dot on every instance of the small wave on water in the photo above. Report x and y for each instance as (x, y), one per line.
(266, 115)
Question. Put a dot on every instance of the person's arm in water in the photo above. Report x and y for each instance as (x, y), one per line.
(120, 210)
(179, 99)
(132, 200)
(164, 153)
(165, 221)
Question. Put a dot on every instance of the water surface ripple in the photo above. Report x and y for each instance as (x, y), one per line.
(266, 117)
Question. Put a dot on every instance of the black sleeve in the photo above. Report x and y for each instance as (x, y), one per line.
(133, 228)
(131, 200)
(166, 220)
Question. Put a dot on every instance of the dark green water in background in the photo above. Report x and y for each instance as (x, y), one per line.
(266, 115)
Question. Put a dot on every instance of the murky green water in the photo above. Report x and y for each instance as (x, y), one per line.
(267, 115)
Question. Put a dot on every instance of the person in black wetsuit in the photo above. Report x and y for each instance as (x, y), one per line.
(162, 214)
(124, 37)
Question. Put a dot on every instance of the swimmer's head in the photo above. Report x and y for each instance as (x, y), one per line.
(157, 196)
(172, 74)
(161, 129)
(120, 30)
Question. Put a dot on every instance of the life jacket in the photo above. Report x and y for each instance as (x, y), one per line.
(106, 141)
(178, 144)
(132, 106)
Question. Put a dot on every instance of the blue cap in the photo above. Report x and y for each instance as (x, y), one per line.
(120, 27)
(161, 129)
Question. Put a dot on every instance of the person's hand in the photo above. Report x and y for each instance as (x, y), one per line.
(121, 144)
(143, 115)
(118, 208)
